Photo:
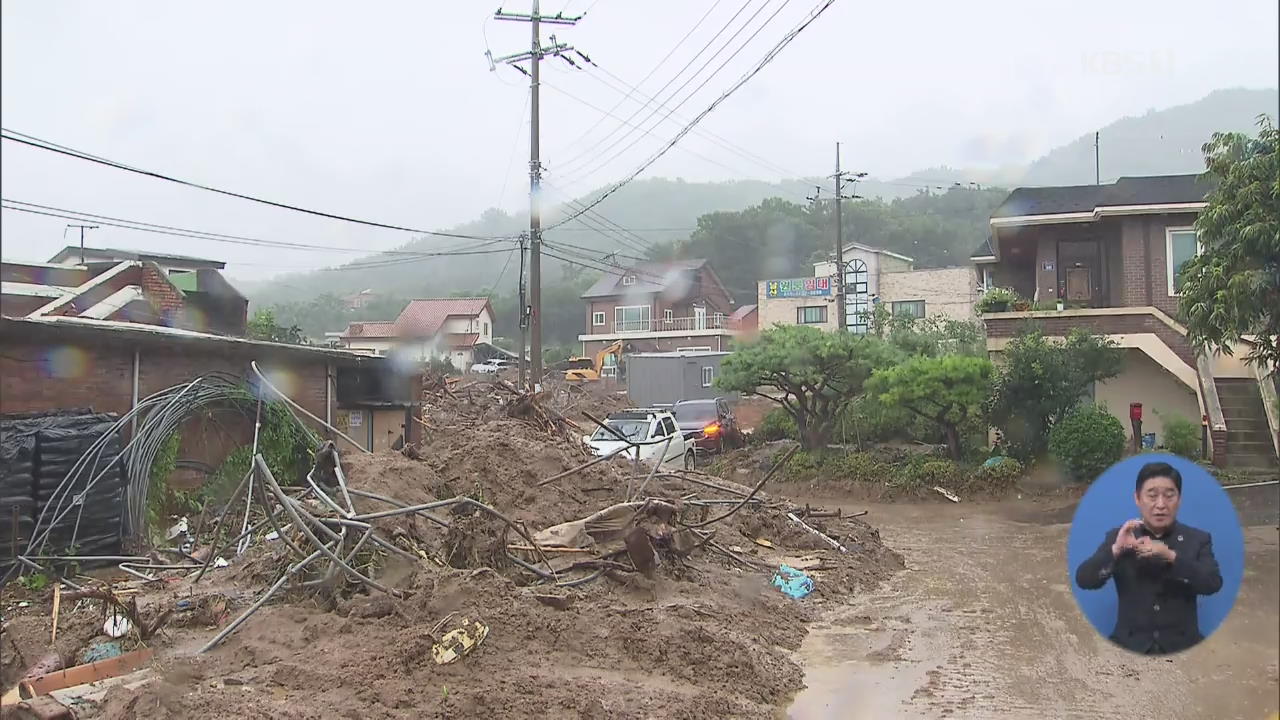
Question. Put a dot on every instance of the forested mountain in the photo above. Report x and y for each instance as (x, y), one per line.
(752, 229)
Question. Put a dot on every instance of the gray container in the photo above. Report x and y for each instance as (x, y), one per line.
(665, 378)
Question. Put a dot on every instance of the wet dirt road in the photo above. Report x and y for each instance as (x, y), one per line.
(982, 624)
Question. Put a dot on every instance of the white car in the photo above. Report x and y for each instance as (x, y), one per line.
(650, 430)
(490, 367)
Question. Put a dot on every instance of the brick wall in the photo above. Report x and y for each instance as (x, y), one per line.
(162, 294)
(1098, 324)
(950, 291)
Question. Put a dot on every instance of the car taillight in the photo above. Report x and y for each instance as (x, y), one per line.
(711, 430)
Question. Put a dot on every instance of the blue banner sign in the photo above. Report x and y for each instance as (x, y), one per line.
(798, 287)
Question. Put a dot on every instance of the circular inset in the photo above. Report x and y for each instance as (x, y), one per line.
(1155, 554)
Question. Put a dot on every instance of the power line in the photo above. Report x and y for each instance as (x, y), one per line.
(605, 162)
(140, 225)
(35, 142)
(773, 53)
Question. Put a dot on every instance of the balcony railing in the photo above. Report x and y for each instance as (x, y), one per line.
(680, 324)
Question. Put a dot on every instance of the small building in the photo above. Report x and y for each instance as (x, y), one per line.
(665, 378)
(874, 277)
(357, 301)
(428, 328)
(658, 306)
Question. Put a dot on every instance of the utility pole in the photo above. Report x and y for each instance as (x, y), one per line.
(1097, 165)
(841, 177)
(524, 317)
(82, 229)
(534, 55)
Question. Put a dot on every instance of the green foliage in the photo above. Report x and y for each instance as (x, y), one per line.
(1040, 382)
(776, 425)
(262, 326)
(284, 445)
(996, 297)
(931, 336)
(35, 582)
(815, 373)
(440, 365)
(162, 498)
(1181, 436)
(948, 390)
(1232, 288)
(1087, 441)
(925, 471)
(859, 467)
(999, 475)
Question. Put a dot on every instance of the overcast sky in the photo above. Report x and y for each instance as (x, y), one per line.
(388, 110)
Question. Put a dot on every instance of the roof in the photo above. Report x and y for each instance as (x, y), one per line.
(983, 251)
(60, 328)
(74, 251)
(681, 354)
(882, 251)
(742, 312)
(1124, 192)
(650, 277)
(425, 317)
(461, 340)
(369, 329)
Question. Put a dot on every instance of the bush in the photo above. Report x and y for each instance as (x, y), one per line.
(777, 425)
(1087, 441)
(999, 475)
(1181, 437)
(925, 471)
(858, 467)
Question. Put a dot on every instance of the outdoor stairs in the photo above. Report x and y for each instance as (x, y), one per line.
(1249, 442)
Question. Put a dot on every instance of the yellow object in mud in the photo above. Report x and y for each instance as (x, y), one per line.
(457, 643)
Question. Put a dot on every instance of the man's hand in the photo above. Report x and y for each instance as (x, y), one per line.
(1148, 548)
(1126, 538)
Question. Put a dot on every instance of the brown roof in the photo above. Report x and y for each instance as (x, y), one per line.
(370, 329)
(425, 317)
(744, 318)
(462, 340)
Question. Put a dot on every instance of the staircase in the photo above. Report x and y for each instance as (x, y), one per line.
(1248, 437)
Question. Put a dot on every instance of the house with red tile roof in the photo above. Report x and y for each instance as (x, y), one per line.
(427, 328)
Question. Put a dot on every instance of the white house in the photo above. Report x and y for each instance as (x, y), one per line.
(427, 328)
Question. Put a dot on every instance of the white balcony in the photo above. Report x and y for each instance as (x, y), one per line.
(681, 324)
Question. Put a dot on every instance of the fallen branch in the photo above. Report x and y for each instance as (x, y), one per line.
(815, 531)
(776, 467)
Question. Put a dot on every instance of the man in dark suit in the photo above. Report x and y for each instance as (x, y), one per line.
(1159, 565)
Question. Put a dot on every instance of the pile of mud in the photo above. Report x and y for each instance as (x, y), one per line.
(706, 636)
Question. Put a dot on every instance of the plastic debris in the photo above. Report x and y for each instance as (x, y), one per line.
(180, 528)
(220, 562)
(100, 651)
(947, 494)
(460, 642)
(793, 582)
(764, 542)
(116, 626)
(273, 535)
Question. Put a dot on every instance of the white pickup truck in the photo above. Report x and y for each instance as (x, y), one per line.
(650, 429)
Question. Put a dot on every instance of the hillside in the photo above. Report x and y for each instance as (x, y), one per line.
(664, 216)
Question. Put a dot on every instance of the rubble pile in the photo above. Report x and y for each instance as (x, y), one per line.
(484, 572)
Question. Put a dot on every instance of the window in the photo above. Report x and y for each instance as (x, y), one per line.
(668, 427)
(908, 308)
(597, 319)
(628, 279)
(811, 314)
(631, 318)
(857, 312)
(988, 281)
(668, 316)
(486, 329)
(709, 374)
(718, 319)
(1181, 244)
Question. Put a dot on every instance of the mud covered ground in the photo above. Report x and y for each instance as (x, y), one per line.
(982, 624)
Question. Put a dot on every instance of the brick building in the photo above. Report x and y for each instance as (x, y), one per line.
(1111, 254)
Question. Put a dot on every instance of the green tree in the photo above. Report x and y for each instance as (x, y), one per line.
(931, 336)
(813, 374)
(1232, 288)
(948, 391)
(1041, 381)
(262, 326)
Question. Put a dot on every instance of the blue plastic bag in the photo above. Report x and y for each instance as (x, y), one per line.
(793, 582)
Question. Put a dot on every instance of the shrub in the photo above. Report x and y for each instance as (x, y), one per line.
(999, 475)
(777, 425)
(994, 297)
(1181, 437)
(1087, 441)
(858, 467)
(925, 471)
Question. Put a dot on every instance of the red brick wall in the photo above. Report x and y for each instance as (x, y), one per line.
(1099, 324)
(162, 294)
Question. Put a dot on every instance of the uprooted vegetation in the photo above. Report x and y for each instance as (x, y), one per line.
(601, 594)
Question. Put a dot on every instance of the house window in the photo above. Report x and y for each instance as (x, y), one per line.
(1181, 244)
(486, 329)
(811, 314)
(718, 319)
(988, 281)
(857, 312)
(631, 318)
(709, 375)
(668, 316)
(908, 308)
(628, 279)
(597, 319)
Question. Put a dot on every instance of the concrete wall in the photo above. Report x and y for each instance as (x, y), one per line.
(1161, 394)
(948, 291)
(481, 325)
(782, 311)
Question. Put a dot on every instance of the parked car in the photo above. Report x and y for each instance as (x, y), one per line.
(652, 427)
(708, 425)
(492, 366)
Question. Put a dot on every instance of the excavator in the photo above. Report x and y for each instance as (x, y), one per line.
(580, 369)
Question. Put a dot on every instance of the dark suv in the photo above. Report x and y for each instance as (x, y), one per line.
(708, 424)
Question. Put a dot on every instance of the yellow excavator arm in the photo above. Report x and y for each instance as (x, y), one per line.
(597, 364)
